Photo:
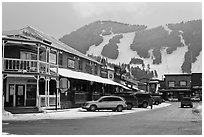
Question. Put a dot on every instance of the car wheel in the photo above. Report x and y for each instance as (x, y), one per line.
(181, 106)
(144, 105)
(129, 106)
(156, 103)
(92, 108)
(119, 108)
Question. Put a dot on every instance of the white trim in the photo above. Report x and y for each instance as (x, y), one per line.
(19, 75)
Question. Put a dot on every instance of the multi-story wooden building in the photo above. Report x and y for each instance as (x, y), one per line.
(40, 71)
(27, 76)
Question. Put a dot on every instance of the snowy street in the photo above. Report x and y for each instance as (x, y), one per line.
(166, 118)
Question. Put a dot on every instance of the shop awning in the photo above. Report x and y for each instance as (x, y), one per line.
(84, 76)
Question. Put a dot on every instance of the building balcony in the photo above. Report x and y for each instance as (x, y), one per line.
(28, 66)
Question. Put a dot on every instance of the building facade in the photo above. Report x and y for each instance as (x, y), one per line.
(176, 86)
(196, 84)
(27, 76)
(40, 71)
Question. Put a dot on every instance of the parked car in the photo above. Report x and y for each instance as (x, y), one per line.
(186, 101)
(194, 99)
(157, 100)
(130, 98)
(114, 103)
(144, 99)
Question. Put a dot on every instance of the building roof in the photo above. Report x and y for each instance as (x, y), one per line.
(34, 34)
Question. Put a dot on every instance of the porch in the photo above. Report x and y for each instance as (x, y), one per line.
(22, 110)
(24, 91)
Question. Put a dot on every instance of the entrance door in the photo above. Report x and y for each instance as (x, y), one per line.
(20, 95)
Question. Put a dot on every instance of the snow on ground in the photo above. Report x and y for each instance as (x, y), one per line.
(197, 66)
(96, 50)
(167, 29)
(76, 113)
(171, 63)
(125, 53)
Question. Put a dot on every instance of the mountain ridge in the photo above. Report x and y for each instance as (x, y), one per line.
(146, 44)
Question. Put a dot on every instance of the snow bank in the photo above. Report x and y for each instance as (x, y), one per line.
(76, 113)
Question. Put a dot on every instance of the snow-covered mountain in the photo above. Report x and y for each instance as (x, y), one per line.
(171, 48)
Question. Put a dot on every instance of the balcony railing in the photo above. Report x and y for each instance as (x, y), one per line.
(22, 65)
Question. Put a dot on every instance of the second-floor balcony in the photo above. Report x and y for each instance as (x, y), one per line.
(28, 66)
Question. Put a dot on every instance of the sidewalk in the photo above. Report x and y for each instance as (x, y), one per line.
(75, 113)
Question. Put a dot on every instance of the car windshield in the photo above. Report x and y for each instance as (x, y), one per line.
(186, 99)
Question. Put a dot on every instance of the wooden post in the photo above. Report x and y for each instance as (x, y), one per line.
(38, 67)
(2, 74)
(46, 61)
(48, 92)
(57, 62)
(38, 58)
(37, 94)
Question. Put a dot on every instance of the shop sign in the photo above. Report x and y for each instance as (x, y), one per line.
(64, 84)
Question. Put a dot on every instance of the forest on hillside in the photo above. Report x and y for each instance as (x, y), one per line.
(154, 39)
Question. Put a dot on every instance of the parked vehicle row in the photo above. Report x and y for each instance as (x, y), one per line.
(195, 99)
(122, 100)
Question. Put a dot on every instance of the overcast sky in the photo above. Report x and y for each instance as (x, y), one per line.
(58, 19)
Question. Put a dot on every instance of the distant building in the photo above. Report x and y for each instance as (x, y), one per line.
(196, 84)
(154, 86)
(176, 86)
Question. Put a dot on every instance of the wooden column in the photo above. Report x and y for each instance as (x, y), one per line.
(37, 93)
(38, 67)
(48, 92)
(2, 75)
(46, 104)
